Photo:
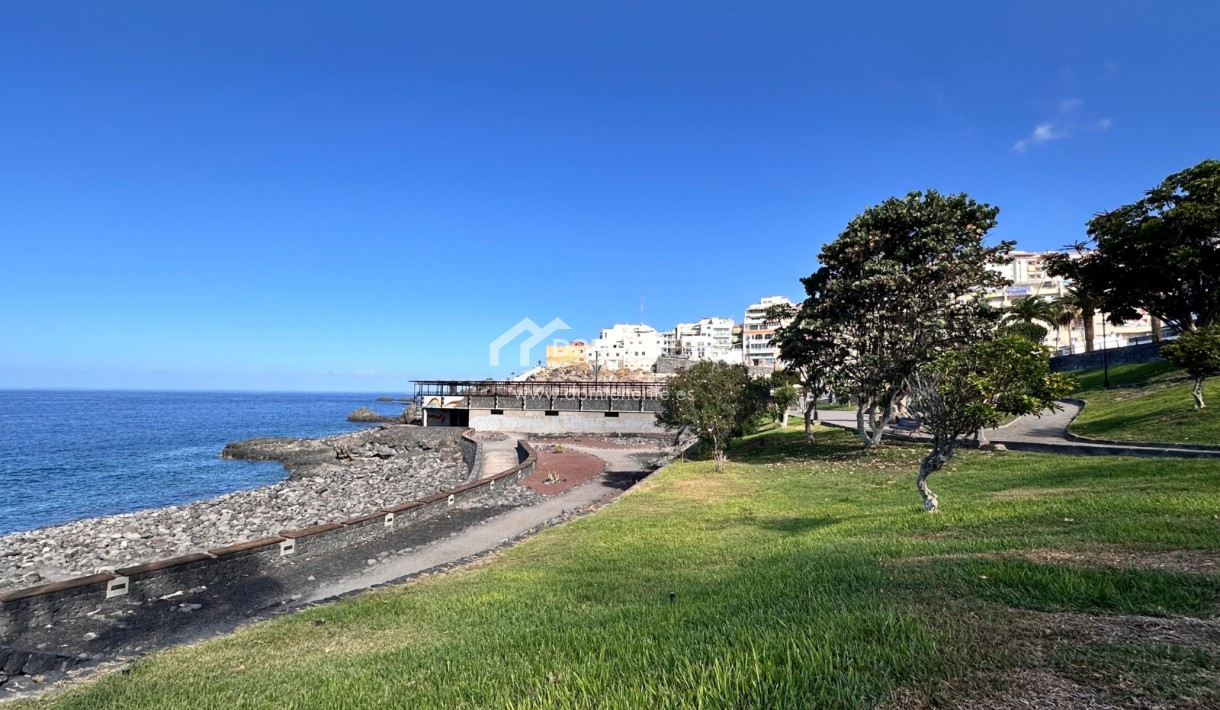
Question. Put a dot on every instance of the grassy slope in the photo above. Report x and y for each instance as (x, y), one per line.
(803, 576)
(1149, 402)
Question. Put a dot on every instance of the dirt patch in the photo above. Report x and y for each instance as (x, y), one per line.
(556, 473)
(1040, 647)
(1188, 561)
(595, 442)
(1076, 628)
(1025, 688)
(1028, 493)
(709, 490)
(1191, 561)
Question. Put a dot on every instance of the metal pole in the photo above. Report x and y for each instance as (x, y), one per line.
(1105, 355)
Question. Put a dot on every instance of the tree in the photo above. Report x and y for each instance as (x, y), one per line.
(1028, 310)
(1085, 305)
(1199, 354)
(971, 388)
(809, 354)
(1064, 313)
(716, 400)
(782, 399)
(901, 285)
(1160, 255)
(1032, 332)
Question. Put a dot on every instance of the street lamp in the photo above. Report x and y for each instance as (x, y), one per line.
(1105, 355)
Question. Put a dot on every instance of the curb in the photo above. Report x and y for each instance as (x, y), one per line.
(1067, 434)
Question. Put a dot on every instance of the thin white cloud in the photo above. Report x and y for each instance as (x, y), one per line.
(1043, 133)
(1065, 124)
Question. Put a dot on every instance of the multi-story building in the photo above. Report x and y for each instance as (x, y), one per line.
(574, 353)
(1027, 271)
(669, 343)
(758, 332)
(709, 339)
(625, 347)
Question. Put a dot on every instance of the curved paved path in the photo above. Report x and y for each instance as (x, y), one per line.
(1048, 434)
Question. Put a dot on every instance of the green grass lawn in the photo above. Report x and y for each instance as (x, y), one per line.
(803, 576)
(1148, 402)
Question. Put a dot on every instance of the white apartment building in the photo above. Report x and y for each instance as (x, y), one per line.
(758, 331)
(625, 347)
(708, 339)
(1027, 271)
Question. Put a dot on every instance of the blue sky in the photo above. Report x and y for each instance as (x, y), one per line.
(346, 196)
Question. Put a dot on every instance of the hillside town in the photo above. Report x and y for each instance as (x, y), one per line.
(636, 351)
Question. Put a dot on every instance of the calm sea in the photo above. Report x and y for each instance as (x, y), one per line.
(66, 455)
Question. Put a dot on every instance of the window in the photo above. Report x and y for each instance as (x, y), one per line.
(497, 411)
(609, 414)
(552, 413)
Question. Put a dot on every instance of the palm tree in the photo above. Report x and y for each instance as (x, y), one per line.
(1028, 310)
(1064, 314)
(1085, 306)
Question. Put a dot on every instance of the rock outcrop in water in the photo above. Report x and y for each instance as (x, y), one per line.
(366, 415)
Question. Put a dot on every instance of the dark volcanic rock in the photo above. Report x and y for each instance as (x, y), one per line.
(329, 479)
(366, 415)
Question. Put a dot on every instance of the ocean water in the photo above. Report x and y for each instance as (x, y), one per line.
(66, 455)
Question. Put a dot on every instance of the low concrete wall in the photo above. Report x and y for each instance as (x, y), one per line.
(1129, 355)
(23, 609)
(529, 421)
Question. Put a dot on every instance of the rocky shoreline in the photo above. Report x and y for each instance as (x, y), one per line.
(329, 479)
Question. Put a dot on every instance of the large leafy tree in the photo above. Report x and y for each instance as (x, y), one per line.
(810, 354)
(718, 401)
(971, 388)
(901, 285)
(1160, 255)
(1198, 353)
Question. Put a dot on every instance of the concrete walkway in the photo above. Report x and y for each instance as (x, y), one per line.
(1047, 434)
(499, 454)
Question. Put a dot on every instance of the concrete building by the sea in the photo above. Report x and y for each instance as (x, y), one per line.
(614, 407)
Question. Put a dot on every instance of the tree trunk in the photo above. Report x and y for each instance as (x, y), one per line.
(879, 425)
(810, 408)
(1156, 329)
(1086, 316)
(860, 423)
(783, 422)
(981, 435)
(933, 462)
(721, 459)
(1197, 393)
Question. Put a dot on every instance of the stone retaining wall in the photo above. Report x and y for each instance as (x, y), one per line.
(1129, 355)
(52, 603)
